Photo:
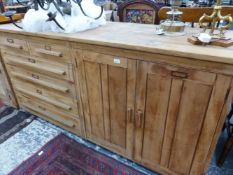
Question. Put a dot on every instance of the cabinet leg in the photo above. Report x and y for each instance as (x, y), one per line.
(227, 148)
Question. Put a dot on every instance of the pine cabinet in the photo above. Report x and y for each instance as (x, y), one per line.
(108, 89)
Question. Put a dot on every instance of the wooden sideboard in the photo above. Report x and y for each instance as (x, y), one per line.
(156, 100)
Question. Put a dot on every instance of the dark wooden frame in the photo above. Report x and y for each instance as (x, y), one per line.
(193, 14)
(154, 5)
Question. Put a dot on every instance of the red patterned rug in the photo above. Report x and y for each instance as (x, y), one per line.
(65, 156)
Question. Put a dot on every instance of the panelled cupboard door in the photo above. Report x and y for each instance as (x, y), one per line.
(172, 106)
(108, 93)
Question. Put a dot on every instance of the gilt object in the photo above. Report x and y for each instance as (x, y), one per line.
(214, 18)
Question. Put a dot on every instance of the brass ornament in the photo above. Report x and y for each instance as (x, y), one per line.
(213, 19)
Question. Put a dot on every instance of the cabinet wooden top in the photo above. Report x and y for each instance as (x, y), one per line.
(139, 37)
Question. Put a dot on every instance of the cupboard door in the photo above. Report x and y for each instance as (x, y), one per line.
(171, 108)
(108, 100)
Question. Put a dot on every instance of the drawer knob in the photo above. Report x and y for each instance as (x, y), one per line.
(129, 115)
(179, 74)
(15, 46)
(48, 48)
(42, 108)
(10, 40)
(35, 76)
(31, 60)
(39, 91)
(49, 52)
(139, 116)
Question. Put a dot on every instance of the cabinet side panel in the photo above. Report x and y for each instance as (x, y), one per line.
(193, 106)
(211, 121)
(7, 94)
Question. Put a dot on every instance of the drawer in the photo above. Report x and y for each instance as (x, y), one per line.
(52, 84)
(182, 73)
(59, 51)
(60, 102)
(45, 109)
(36, 64)
(14, 44)
(105, 59)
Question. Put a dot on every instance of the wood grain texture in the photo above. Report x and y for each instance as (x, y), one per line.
(47, 84)
(7, 95)
(193, 103)
(210, 123)
(94, 96)
(105, 89)
(49, 113)
(173, 109)
(140, 106)
(117, 105)
(157, 98)
(228, 101)
(122, 35)
(57, 85)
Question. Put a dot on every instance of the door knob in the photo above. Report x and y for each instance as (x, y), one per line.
(129, 115)
(139, 116)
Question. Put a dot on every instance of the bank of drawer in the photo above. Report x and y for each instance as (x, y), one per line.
(14, 43)
(36, 64)
(59, 51)
(45, 109)
(55, 85)
(63, 103)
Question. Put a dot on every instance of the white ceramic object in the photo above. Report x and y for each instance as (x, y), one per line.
(35, 21)
(204, 37)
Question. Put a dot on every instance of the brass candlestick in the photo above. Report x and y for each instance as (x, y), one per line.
(214, 18)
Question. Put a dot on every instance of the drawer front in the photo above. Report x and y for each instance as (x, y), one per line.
(60, 102)
(58, 51)
(45, 109)
(14, 43)
(105, 59)
(55, 85)
(182, 73)
(36, 64)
